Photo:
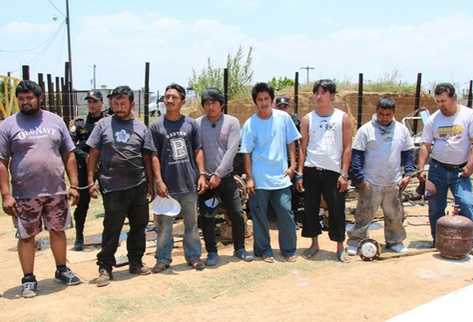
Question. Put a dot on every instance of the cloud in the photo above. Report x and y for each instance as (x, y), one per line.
(120, 44)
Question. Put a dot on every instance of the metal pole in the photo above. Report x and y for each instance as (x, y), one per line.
(56, 98)
(296, 94)
(50, 106)
(360, 100)
(470, 95)
(225, 90)
(67, 95)
(41, 84)
(68, 24)
(63, 98)
(417, 99)
(26, 72)
(146, 96)
(307, 69)
(95, 80)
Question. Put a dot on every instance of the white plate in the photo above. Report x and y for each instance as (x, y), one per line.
(166, 206)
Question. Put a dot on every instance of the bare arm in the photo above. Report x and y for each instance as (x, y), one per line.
(91, 166)
(9, 203)
(424, 153)
(250, 183)
(70, 163)
(199, 160)
(347, 140)
(304, 141)
(158, 179)
(149, 173)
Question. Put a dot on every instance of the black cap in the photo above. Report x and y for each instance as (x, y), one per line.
(95, 95)
(214, 94)
(283, 100)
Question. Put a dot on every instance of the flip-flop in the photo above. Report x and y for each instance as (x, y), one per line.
(310, 252)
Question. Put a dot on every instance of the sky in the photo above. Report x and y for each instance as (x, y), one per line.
(338, 38)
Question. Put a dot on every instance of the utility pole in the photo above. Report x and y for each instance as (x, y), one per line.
(307, 69)
(95, 80)
(68, 24)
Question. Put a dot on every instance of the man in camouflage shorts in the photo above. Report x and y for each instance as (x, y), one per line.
(36, 147)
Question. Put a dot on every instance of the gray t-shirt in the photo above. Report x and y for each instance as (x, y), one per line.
(220, 142)
(35, 144)
(175, 143)
(121, 144)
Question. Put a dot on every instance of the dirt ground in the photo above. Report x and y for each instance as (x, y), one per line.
(308, 290)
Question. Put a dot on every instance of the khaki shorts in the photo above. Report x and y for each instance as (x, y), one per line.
(53, 212)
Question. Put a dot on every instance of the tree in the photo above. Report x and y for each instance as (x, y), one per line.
(281, 83)
(240, 74)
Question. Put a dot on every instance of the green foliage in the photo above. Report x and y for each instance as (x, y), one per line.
(240, 74)
(281, 83)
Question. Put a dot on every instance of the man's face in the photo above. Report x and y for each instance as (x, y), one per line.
(28, 102)
(445, 103)
(385, 116)
(212, 108)
(264, 102)
(283, 107)
(94, 106)
(323, 97)
(173, 100)
(122, 106)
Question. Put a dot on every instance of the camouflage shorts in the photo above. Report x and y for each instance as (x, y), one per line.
(52, 211)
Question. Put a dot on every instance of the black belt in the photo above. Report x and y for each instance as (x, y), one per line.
(450, 166)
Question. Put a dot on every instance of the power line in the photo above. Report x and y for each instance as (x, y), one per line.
(55, 7)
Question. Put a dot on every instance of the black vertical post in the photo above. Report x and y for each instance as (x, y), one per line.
(25, 72)
(50, 106)
(67, 95)
(57, 99)
(146, 94)
(63, 98)
(225, 90)
(417, 99)
(360, 100)
(41, 84)
(139, 103)
(296, 94)
(470, 95)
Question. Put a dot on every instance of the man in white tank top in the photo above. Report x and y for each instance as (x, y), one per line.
(326, 151)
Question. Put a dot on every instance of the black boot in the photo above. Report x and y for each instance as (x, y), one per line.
(79, 242)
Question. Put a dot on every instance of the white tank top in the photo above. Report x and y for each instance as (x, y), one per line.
(325, 146)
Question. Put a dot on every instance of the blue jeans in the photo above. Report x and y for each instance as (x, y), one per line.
(444, 178)
(281, 202)
(165, 241)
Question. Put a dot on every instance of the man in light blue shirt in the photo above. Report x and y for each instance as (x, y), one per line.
(266, 138)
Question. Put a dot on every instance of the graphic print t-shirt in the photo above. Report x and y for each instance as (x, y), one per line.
(175, 143)
(450, 136)
(35, 145)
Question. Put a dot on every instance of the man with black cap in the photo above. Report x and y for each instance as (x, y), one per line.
(220, 138)
(124, 146)
(80, 134)
(36, 147)
(282, 104)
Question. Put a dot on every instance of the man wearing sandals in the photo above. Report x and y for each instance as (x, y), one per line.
(380, 148)
(220, 138)
(326, 151)
(180, 173)
(36, 147)
(267, 137)
(124, 146)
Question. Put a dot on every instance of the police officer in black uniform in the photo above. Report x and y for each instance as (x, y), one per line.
(80, 134)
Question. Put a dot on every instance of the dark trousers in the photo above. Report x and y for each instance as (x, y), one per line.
(80, 213)
(131, 203)
(319, 182)
(229, 194)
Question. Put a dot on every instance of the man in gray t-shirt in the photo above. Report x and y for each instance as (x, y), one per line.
(36, 147)
(124, 146)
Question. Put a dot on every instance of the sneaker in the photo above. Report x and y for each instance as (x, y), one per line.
(197, 264)
(399, 248)
(212, 259)
(159, 267)
(269, 259)
(139, 269)
(67, 277)
(352, 250)
(79, 243)
(104, 278)
(243, 255)
(29, 287)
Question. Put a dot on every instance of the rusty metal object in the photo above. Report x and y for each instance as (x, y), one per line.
(454, 237)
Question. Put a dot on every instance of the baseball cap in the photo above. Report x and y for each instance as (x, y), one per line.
(283, 100)
(95, 95)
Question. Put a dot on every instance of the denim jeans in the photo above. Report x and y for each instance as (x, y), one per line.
(443, 179)
(165, 240)
(281, 203)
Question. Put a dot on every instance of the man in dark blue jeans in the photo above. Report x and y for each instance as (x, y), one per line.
(447, 138)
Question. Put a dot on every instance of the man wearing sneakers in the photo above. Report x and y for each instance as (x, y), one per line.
(180, 174)
(220, 138)
(326, 151)
(381, 146)
(36, 147)
(124, 146)
(267, 137)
